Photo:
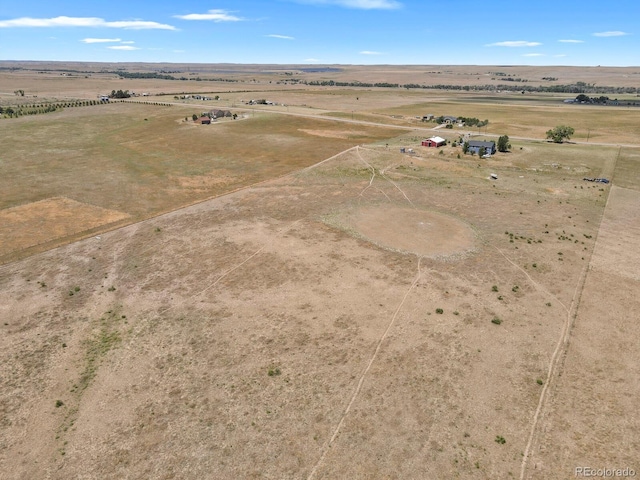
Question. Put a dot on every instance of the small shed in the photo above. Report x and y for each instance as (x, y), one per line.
(434, 142)
(204, 120)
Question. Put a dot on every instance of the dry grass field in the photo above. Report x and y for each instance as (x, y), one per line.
(288, 295)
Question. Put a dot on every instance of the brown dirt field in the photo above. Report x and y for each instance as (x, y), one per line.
(158, 339)
(355, 313)
(40, 222)
(592, 417)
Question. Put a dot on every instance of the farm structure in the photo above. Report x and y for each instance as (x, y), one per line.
(476, 145)
(219, 113)
(434, 142)
(204, 120)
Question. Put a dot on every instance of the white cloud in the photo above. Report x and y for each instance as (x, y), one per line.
(571, 41)
(514, 43)
(283, 37)
(610, 34)
(313, 60)
(83, 22)
(127, 42)
(360, 4)
(101, 40)
(211, 15)
(123, 47)
(369, 52)
(139, 25)
(533, 55)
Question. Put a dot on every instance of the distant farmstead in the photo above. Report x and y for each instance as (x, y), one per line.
(434, 142)
(204, 120)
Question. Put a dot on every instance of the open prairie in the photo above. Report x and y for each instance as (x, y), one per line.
(305, 291)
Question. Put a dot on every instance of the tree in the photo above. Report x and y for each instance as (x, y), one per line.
(465, 147)
(559, 133)
(503, 144)
(195, 117)
(482, 152)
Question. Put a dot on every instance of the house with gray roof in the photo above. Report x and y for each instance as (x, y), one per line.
(476, 145)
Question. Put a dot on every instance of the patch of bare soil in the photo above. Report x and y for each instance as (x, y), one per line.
(332, 133)
(411, 230)
(38, 222)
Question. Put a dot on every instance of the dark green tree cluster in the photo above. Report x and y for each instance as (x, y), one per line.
(473, 122)
(119, 94)
(582, 98)
(503, 143)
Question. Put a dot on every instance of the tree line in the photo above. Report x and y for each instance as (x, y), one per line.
(578, 87)
(40, 108)
(164, 76)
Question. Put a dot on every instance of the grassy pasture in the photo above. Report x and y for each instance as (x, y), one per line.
(142, 160)
(627, 173)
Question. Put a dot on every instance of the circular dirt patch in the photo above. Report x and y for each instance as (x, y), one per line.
(424, 233)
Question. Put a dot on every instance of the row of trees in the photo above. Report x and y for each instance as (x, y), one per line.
(40, 108)
(514, 85)
(164, 76)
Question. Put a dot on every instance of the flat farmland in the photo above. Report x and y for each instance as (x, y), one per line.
(141, 160)
(291, 295)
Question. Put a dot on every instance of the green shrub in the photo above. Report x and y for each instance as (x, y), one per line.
(496, 321)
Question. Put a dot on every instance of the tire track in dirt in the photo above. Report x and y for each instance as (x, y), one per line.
(354, 396)
(383, 176)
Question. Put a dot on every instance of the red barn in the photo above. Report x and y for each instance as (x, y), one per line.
(434, 142)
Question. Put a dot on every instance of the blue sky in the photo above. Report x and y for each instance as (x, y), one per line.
(459, 32)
